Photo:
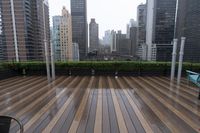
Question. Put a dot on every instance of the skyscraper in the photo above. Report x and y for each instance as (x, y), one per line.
(160, 28)
(62, 36)
(75, 51)
(79, 26)
(107, 38)
(56, 37)
(66, 36)
(133, 39)
(25, 26)
(94, 35)
(141, 17)
(132, 23)
(113, 46)
(1, 35)
(119, 37)
(188, 25)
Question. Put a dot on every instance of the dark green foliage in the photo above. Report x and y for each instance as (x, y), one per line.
(120, 66)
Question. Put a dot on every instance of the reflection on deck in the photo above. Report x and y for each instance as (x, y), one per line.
(101, 104)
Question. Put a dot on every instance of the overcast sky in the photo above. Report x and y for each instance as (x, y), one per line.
(109, 14)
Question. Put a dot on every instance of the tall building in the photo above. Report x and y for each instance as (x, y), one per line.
(75, 52)
(133, 40)
(141, 17)
(107, 38)
(1, 41)
(56, 37)
(113, 46)
(62, 36)
(66, 36)
(79, 26)
(160, 28)
(188, 25)
(124, 47)
(132, 23)
(25, 28)
(94, 35)
(119, 37)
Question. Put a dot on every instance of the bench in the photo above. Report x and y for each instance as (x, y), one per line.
(194, 78)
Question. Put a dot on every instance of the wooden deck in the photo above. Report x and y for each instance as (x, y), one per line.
(101, 105)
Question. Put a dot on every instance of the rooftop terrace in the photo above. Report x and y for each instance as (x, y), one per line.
(101, 104)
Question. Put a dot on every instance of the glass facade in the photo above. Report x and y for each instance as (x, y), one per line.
(79, 26)
(164, 15)
(29, 21)
(141, 24)
(165, 12)
(56, 37)
(1, 41)
(188, 25)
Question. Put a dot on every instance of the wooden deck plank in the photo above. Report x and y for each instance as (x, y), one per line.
(120, 118)
(9, 87)
(98, 118)
(67, 117)
(105, 119)
(79, 113)
(153, 107)
(16, 94)
(43, 99)
(114, 128)
(66, 89)
(185, 87)
(25, 100)
(177, 114)
(138, 113)
(9, 80)
(185, 94)
(153, 120)
(100, 104)
(51, 125)
(83, 123)
(92, 114)
(13, 80)
(176, 97)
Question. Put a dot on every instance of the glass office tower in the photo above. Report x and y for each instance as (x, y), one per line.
(188, 25)
(79, 26)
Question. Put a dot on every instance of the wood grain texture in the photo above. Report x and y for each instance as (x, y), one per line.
(101, 104)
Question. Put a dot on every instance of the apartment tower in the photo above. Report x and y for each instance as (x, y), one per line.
(66, 36)
(24, 29)
(94, 35)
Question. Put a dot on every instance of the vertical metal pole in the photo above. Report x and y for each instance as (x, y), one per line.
(181, 60)
(52, 62)
(174, 59)
(14, 31)
(46, 47)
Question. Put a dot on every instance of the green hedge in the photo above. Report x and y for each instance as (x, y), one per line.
(100, 66)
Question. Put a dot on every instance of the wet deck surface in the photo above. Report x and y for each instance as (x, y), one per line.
(101, 105)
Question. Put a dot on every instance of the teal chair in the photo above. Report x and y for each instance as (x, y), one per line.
(194, 78)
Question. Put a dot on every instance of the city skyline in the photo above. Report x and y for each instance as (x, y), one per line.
(109, 18)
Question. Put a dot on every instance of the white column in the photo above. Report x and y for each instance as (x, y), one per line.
(46, 47)
(174, 59)
(52, 63)
(181, 60)
(150, 27)
(14, 30)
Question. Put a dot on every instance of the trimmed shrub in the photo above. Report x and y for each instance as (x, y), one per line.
(140, 68)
